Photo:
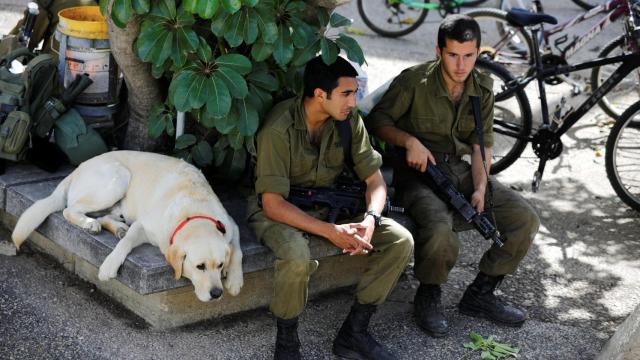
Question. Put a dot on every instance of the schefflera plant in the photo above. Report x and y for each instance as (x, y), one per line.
(227, 60)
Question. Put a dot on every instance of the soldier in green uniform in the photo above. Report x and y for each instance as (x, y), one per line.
(299, 144)
(426, 112)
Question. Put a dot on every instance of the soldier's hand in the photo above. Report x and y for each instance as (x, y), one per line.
(347, 238)
(418, 155)
(477, 200)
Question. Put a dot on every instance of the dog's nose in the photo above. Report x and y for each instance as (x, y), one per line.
(215, 293)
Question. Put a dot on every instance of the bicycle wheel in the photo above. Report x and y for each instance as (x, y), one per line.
(511, 118)
(505, 44)
(391, 18)
(627, 91)
(622, 158)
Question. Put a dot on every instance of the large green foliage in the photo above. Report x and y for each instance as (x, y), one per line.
(227, 60)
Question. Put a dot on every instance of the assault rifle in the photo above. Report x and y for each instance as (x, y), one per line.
(342, 199)
(445, 189)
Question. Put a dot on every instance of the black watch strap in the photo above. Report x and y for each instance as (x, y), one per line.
(377, 219)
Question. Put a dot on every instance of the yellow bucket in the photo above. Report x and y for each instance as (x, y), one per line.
(84, 22)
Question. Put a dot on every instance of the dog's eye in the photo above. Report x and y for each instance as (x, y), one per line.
(220, 265)
(200, 267)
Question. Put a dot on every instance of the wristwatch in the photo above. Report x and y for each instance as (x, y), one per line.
(377, 219)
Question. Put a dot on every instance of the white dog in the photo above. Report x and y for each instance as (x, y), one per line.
(149, 198)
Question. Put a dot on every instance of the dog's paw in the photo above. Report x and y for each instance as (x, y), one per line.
(92, 226)
(108, 269)
(122, 231)
(233, 283)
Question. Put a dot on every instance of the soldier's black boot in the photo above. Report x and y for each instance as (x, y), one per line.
(428, 310)
(480, 301)
(287, 342)
(354, 341)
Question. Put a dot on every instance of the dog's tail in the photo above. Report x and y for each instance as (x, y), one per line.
(38, 212)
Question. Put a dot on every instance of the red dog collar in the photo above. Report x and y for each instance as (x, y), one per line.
(219, 225)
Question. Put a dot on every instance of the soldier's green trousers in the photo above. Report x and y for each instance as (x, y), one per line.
(392, 246)
(436, 244)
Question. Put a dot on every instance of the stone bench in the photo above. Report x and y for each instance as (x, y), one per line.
(145, 283)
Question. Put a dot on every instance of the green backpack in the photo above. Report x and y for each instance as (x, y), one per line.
(21, 96)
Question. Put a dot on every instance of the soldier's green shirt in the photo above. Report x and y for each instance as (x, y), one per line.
(418, 103)
(287, 157)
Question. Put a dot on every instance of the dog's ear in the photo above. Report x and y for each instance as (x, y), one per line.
(228, 251)
(175, 257)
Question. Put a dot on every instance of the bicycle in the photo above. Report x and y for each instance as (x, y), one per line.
(511, 137)
(507, 5)
(394, 18)
(512, 47)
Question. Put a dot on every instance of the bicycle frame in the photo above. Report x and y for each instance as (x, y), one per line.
(614, 9)
(422, 5)
(629, 62)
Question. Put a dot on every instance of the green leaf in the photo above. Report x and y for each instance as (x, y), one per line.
(486, 355)
(329, 51)
(477, 338)
(250, 145)
(121, 11)
(295, 7)
(185, 140)
(233, 29)
(236, 140)
(164, 8)
(219, 150)
(238, 63)
(250, 31)
(323, 16)
(207, 8)
(217, 24)
(226, 124)
(263, 80)
(260, 99)
(306, 54)
(171, 130)
(231, 6)
(235, 82)
(354, 52)
(103, 7)
(283, 51)
(260, 51)
(219, 99)
(204, 51)
(250, 3)
(338, 20)
(266, 19)
(141, 6)
(157, 121)
(248, 121)
(186, 40)
(470, 345)
(202, 154)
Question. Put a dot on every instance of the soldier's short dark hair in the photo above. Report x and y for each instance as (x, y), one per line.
(458, 27)
(317, 74)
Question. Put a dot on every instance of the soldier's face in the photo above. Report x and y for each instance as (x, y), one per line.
(342, 100)
(457, 59)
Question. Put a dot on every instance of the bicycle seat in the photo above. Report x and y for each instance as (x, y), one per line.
(523, 17)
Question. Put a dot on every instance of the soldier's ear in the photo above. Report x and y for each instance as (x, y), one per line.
(319, 94)
(437, 51)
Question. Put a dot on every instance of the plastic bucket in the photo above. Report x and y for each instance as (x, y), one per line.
(84, 48)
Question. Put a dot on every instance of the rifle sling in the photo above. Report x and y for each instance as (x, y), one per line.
(475, 105)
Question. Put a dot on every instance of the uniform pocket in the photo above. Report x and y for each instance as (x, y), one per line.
(466, 126)
(432, 125)
(335, 157)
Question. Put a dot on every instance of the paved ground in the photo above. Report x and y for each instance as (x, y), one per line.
(578, 282)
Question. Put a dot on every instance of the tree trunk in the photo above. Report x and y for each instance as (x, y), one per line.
(143, 89)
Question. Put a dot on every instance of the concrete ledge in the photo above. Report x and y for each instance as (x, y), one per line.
(180, 306)
(625, 342)
(19, 174)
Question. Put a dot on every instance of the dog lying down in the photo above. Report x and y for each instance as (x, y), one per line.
(149, 198)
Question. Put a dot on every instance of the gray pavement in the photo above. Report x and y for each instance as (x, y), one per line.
(578, 282)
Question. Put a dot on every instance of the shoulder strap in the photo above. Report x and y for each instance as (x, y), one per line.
(475, 105)
(344, 129)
